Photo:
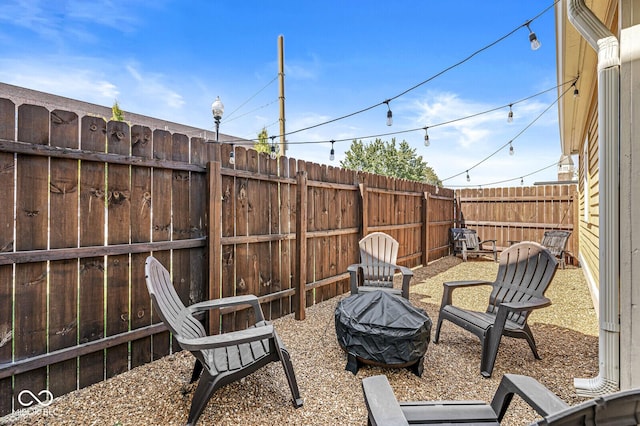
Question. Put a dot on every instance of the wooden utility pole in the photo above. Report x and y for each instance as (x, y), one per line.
(283, 145)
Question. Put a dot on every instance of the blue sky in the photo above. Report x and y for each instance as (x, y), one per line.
(170, 59)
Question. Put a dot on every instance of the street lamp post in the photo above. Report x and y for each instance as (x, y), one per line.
(217, 109)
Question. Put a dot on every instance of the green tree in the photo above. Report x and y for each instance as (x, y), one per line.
(116, 113)
(387, 159)
(263, 144)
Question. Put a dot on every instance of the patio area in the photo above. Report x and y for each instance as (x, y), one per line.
(158, 393)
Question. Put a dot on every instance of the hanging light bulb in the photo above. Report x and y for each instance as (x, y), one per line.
(332, 154)
(426, 137)
(232, 156)
(511, 151)
(521, 181)
(273, 151)
(533, 39)
(510, 116)
(576, 92)
(389, 114)
(468, 177)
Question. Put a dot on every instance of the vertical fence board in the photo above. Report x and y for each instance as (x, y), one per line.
(7, 169)
(63, 274)
(92, 221)
(118, 267)
(161, 222)
(30, 334)
(141, 145)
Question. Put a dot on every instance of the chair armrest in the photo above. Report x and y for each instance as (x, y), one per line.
(227, 339)
(530, 390)
(227, 302)
(382, 406)
(452, 285)
(535, 303)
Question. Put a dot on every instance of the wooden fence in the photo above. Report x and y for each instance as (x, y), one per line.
(520, 213)
(84, 201)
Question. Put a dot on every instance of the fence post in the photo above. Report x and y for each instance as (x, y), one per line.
(365, 208)
(215, 235)
(425, 224)
(300, 277)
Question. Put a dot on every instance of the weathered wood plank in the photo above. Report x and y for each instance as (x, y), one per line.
(7, 169)
(92, 217)
(118, 267)
(161, 221)
(140, 200)
(63, 274)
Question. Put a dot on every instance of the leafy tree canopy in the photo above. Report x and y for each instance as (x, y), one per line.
(263, 144)
(387, 159)
(116, 113)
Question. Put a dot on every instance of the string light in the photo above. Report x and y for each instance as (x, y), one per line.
(332, 154)
(576, 92)
(389, 114)
(511, 151)
(468, 177)
(522, 181)
(510, 115)
(274, 154)
(232, 156)
(426, 137)
(533, 39)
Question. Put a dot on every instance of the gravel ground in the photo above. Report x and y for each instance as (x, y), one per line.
(158, 393)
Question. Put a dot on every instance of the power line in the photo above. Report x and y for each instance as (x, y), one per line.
(247, 101)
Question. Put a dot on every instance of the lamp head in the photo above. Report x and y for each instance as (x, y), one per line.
(217, 109)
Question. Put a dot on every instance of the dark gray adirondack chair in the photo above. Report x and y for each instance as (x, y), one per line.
(525, 271)
(378, 257)
(620, 408)
(466, 242)
(556, 243)
(220, 359)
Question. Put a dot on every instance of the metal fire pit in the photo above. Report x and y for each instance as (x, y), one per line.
(382, 329)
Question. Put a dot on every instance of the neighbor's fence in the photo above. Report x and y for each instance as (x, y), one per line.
(520, 213)
(83, 202)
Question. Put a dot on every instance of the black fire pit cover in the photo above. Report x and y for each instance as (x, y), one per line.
(383, 328)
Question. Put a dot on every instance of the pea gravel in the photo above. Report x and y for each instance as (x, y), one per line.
(159, 394)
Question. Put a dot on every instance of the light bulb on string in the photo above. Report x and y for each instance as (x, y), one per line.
(511, 151)
(468, 177)
(510, 115)
(332, 154)
(533, 39)
(426, 137)
(522, 181)
(389, 114)
(232, 156)
(576, 92)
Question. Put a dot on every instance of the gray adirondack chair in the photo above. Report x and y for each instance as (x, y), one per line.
(524, 273)
(619, 408)
(378, 257)
(466, 242)
(556, 243)
(220, 359)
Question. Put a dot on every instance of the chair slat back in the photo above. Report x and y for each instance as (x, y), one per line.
(525, 271)
(377, 251)
(556, 241)
(167, 303)
(619, 408)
